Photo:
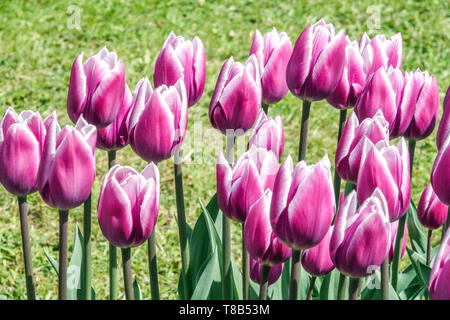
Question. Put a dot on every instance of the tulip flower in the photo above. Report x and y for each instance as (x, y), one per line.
(444, 125)
(317, 62)
(440, 273)
(394, 229)
(157, 121)
(303, 203)
(361, 237)
(387, 168)
(239, 187)
(67, 172)
(272, 51)
(181, 58)
(256, 272)
(128, 205)
(96, 88)
(237, 97)
(432, 213)
(21, 144)
(268, 133)
(317, 260)
(351, 144)
(440, 173)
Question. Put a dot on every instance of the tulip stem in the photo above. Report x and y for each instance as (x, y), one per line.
(342, 286)
(385, 279)
(86, 267)
(153, 267)
(127, 275)
(337, 178)
(112, 249)
(411, 149)
(295, 274)
(430, 233)
(311, 288)
(63, 231)
(398, 250)
(264, 282)
(353, 288)
(26, 247)
(265, 107)
(446, 224)
(245, 270)
(304, 130)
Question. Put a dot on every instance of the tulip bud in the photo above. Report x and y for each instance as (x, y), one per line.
(180, 58)
(361, 237)
(303, 203)
(317, 62)
(440, 273)
(268, 133)
(394, 229)
(237, 97)
(157, 121)
(351, 144)
(96, 88)
(128, 205)
(444, 125)
(272, 52)
(440, 173)
(380, 52)
(21, 144)
(317, 260)
(387, 168)
(238, 188)
(432, 213)
(67, 171)
(256, 272)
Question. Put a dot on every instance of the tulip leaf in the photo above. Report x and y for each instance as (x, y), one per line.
(286, 279)
(205, 280)
(419, 264)
(137, 290)
(415, 230)
(349, 187)
(371, 289)
(329, 287)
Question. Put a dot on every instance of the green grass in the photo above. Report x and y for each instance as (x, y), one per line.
(36, 53)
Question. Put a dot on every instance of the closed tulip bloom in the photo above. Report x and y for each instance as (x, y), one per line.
(268, 133)
(351, 144)
(444, 126)
(317, 260)
(239, 187)
(440, 173)
(21, 144)
(387, 168)
(440, 273)
(96, 88)
(259, 239)
(394, 229)
(67, 171)
(272, 51)
(128, 205)
(432, 213)
(303, 203)
(256, 272)
(381, 52)
(157, 121)
(181, 58)
(236, 100)
(361, 237)
(317, 62)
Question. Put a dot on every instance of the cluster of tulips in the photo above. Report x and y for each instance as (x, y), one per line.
(292, 211)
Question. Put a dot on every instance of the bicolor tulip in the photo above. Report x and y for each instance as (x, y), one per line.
(240, 186)
(351, 144)
(157, 121)
(303, 203)
(268, 133)
(67, 172)
(440, 273)
(361, 237)
(394, 229)
(432, 213)
(440, 173)
(317, 62)
(256, 272)
(96, 88)
(272, 51)
(259, 239)
(381, 52)
(181, 58)
(317, 260)
(387, 168)
(236, 100)
(21, 143)
(444, 126)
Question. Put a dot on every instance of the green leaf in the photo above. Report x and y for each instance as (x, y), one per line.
(415, 230)
(372, 288)
(349, 187)
(210, 271)
(286, 279)
(137, 290)
(419, 264)
(330, 285)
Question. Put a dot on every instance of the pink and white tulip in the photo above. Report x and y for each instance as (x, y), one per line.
(268, 133)
(444, 126)
(381, 52)
(256, 272)
(440, 273)
(317, 260)
(432, 213)
(440, 173)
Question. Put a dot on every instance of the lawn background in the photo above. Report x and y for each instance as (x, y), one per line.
(38, 45)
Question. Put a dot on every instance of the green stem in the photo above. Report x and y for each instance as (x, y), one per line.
(26, 247)
(245, 270)
(398, 251)
(113, 281)
(63, 231)
(295, 274)
(430, 233)
(153, 267)
(127, 274)
(342, 286)
(86, 266)
(337, 178)
(265, 107)
(311, 288)
(304, 130)
(353, 288)
(385, 279)
(264, 282)
(446, 224)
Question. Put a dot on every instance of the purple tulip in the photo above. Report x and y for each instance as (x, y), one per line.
(157, 121)
(351, 144)
(361, 237)
(238, 188)
(317, 260)
(115, 136)
(259, 239)
(432, 213)
(268, 133)
(21, 144)
(128, 205)
(394, 229)
(381, 52)
(96, 88)
(440, 273)
(387, 168)
(237, 97)
(182, 58)
(256, 272)
(440, 174)
(303, 203)
(444, 126)
(317, 62)
(67, 172)
(272, 52)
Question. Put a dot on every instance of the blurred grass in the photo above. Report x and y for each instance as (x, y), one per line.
(38, 46)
